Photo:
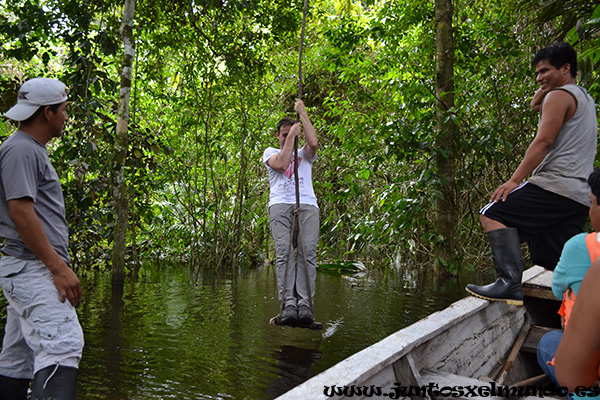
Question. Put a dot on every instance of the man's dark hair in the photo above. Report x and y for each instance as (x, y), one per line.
(558, 55)
(287, 121)
(37, 112)
(594, 182)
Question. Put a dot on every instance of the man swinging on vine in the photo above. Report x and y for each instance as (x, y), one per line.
(295, 280)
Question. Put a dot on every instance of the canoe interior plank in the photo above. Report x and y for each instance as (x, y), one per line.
(407, 374)
(539, 380)
(385, 380)
(531, 273)
(539, 284)
(490, 335)
(406, 371)
(539, 292)
(543, 279)
(445, 379)
(536, 333)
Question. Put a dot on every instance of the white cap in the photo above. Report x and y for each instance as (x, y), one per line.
(35, 93)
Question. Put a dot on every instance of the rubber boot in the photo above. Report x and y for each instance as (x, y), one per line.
(508, 260)
(305, 316)
(55, 383)
(289, 315)
(13, 388)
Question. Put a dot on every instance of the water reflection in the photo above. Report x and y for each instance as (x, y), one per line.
(168, 335)
(294, 367)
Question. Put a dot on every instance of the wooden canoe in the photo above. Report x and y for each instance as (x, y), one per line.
(472, 342)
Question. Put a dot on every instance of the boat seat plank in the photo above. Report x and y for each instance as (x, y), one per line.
(531, 273)
(532, 340)
(406, 372)
(544, 279)
(539, 284)
(539, 292)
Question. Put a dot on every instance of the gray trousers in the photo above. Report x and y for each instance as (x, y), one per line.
(281, 220)
(41, 331)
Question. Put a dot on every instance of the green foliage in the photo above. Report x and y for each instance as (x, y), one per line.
(211, 79)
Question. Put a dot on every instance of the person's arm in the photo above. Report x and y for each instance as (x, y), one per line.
(572, 266)
(30, 229)
(310, 135)
(281, 161)
(554, 114)
(578, 354)
(538, 97)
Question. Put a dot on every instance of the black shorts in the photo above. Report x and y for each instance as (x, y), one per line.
(544, 220)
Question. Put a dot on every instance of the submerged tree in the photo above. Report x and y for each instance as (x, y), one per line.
(121, 146)
(445, 131)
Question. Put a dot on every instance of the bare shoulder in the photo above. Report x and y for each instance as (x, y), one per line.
(559, 104)
(560, 95)
(560, 98)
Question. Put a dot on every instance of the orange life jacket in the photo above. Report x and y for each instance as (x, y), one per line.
(593, 247)
(592, 242)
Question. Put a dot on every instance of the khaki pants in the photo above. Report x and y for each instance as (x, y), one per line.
(40, 330)
(281, 220)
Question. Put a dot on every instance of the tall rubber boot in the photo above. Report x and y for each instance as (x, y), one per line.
(13, 388)
(508, 260)
(54, 383)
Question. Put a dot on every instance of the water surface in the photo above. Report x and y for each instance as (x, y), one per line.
(171, 336)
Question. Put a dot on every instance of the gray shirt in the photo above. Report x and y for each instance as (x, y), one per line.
(26, 171)
(570, 161)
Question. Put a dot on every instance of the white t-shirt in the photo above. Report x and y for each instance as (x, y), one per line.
(283, 185)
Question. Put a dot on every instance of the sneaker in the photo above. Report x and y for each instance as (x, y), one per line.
(305, 315)
(289, 316)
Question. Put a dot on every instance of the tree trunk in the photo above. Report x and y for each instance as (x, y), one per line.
(120, 147)
(446, 215)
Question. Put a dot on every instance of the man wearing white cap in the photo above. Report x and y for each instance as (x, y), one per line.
(43, 339)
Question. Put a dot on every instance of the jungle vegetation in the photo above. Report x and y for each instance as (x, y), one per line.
(210, 79)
